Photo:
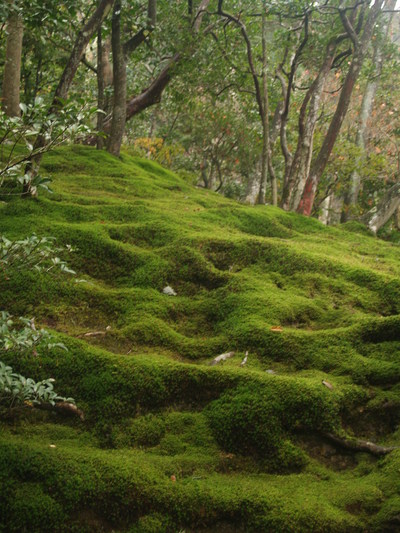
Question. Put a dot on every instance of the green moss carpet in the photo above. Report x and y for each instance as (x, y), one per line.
(171, 443)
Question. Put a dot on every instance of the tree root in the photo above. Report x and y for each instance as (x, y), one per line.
(357, 445)
(64, 408)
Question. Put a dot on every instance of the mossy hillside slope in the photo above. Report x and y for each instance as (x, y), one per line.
(245, 444)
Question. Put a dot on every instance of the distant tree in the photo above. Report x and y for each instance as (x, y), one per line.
(12, 67)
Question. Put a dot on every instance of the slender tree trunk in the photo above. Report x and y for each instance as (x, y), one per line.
(104, 84)
(365, 113)
(153, 93)
(355, 179)
(359, 55)
(81, 42)
(387, 207)
(119, 104)
(397, 219)
(152, 13)
(12, 66)
(264, 116)
(325, 208)
(100, 90)
(287, 92)
(300, 167)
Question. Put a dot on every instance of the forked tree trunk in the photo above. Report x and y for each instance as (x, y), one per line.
(359, 55)
(81, 42)
(12, 66)
(300, 166)
(365, 113)
(119, 104)
(152, 94)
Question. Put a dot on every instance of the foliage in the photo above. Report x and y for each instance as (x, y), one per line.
(17, 390)
(26, 338)
(22, 337)
(156, 149)
(38, 253)
(17, 139)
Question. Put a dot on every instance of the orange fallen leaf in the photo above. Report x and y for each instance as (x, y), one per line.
(173, 478)
(276, 328)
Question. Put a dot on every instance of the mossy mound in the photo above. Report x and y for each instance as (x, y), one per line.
(170, 442)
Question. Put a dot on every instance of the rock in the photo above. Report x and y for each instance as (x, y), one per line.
(169, 291)
(270, 371)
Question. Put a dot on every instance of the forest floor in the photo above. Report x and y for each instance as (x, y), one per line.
(170, 442)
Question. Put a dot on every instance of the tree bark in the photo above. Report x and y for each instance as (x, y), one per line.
(152, 94)
(152, 13)
(287, 93)
(387, 207)
(360, 52)
(12, 66)
(397, 219)
(81, 42)
(365, 113)
(101, 104)
(264, 117)
(300, 166)
(119, 67)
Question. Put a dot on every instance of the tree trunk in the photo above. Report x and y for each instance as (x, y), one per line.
(152, 13)
(81, 42)
(12, 66)
(101, 104)
(365, 113)
(397, 219)
(287, 92)
(119, 65)
(387, 207)
(264, 116)
(360, 52)
(300, 166)
(152, 94)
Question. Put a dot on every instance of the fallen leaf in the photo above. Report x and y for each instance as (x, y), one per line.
(276, 328)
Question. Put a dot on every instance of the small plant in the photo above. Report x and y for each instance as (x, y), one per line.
(24, 339)
(34, 252)
(20, 336)
(18, 146)
(18, 390)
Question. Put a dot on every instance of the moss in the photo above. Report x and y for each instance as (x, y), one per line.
(254, 420)
(171, 443)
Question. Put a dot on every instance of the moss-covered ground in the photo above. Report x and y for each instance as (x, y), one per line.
(169, 442)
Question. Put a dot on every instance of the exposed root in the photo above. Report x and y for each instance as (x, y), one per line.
(358, 445)
(64, 408)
